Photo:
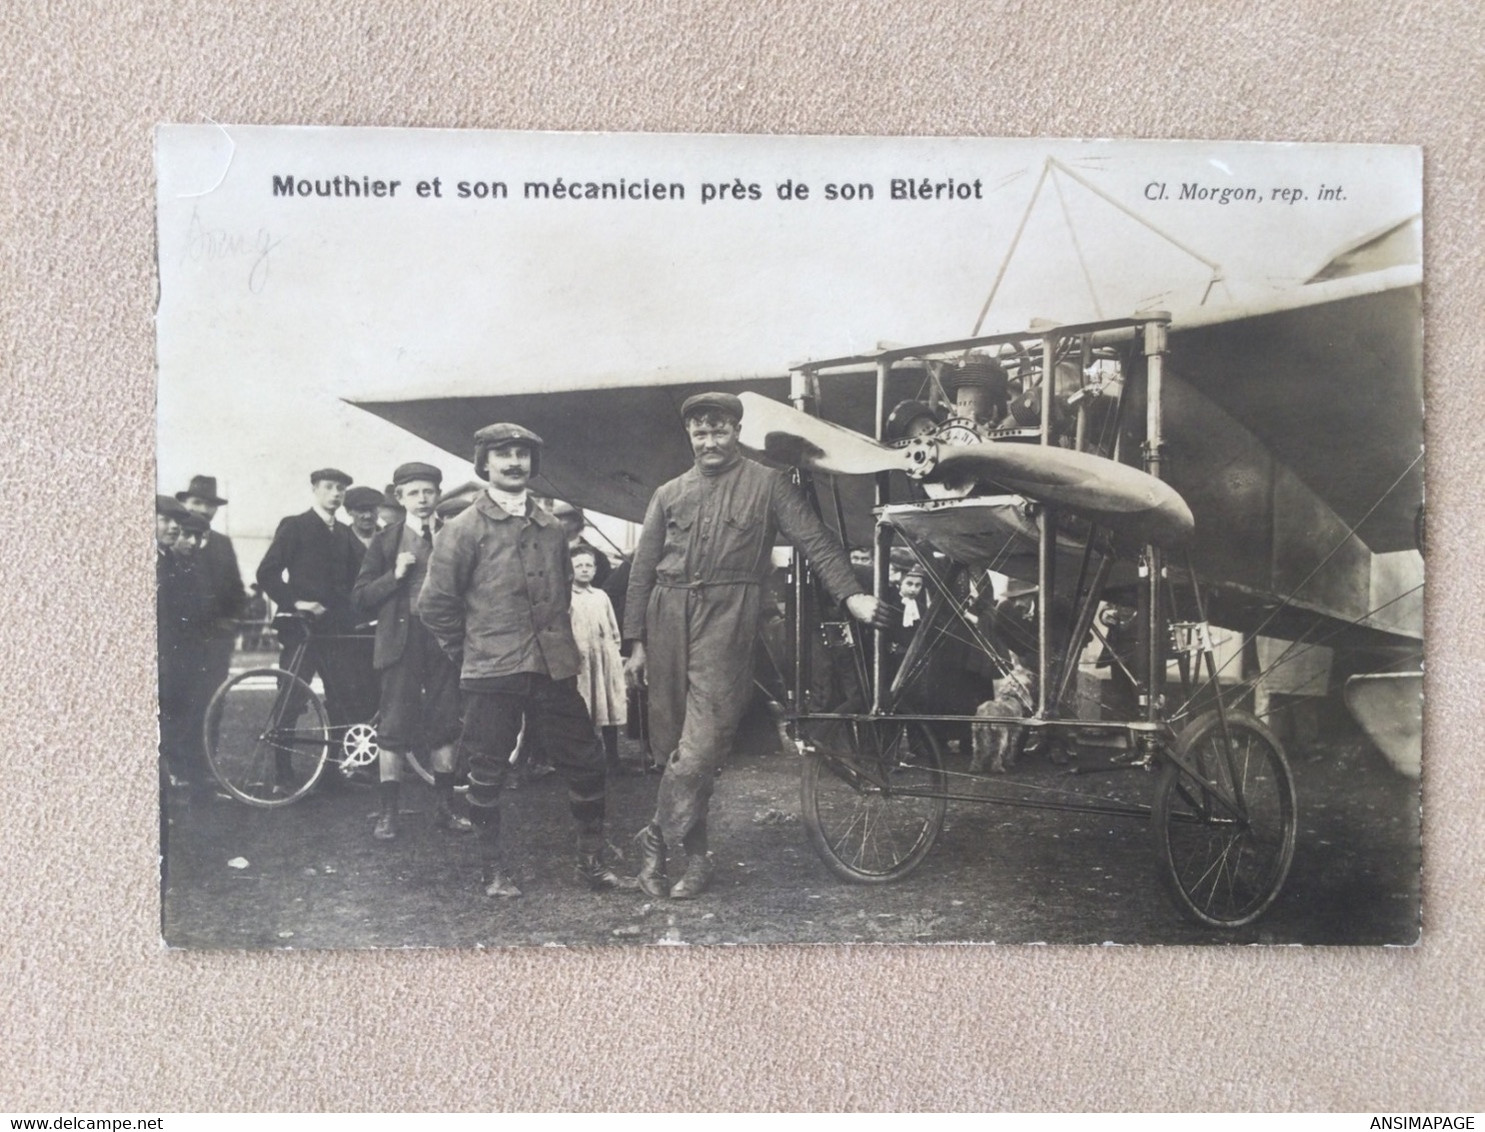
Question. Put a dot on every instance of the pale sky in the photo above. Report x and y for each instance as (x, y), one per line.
(275, 310)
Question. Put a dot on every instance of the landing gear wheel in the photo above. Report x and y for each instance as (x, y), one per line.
(267, 737)
(1226, 841)
(872, 798)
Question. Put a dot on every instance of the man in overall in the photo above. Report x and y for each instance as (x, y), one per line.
(497, 598)
(692, 614)
(419, 683)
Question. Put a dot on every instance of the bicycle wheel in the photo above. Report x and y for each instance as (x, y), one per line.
(872, 798)
(267, 737)
(1227, 841)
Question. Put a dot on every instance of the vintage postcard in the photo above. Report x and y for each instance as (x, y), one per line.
(573, 539)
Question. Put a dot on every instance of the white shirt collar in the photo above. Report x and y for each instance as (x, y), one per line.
(511, 502)
(327, 519)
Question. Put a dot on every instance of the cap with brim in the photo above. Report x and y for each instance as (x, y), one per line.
(164, 505)
(194, 523)
(724, 403)
(456, 499)
(502, 433)
(362, 498)
(902, 558)
(406, 473)
(389, 498)
(202, 487)
(334, 474)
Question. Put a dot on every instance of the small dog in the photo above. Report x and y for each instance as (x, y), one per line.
(998, 745)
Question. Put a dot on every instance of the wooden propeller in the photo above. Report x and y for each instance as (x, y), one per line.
(1129, 501)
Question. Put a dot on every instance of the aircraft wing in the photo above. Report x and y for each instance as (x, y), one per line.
(606, 449)
(1289, 423)
(1329, 378)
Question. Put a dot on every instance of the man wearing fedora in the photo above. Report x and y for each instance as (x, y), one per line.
(226, 601)
(498, 600)
(310, 567)
(419, 683)
(694, 606)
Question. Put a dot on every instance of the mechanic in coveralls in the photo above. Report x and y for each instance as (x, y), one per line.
(692, 614)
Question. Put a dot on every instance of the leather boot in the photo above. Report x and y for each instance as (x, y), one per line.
(444, 816)
(695, 879)
(386, 822)
(593, 871)
(652, 861)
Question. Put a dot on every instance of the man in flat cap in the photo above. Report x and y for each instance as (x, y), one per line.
(311, 566)
(390, 511)
(498, 598)
(692, 614)
(419, 683)
(226, 601)
(362, 505)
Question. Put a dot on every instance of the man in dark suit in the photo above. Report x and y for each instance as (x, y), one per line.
(361, 504)
(310, 567)
(185, 606)
(171, 603)
(419, 684)
(216, 564)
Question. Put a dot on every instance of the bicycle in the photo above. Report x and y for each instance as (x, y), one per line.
(268, 736)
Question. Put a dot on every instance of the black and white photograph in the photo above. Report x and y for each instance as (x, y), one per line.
(657, 539)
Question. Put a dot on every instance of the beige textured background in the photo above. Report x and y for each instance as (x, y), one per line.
(96, 1015)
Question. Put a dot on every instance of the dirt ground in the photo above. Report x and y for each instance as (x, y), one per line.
(310, 875)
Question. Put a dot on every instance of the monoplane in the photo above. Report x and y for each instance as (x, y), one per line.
(1163, 479)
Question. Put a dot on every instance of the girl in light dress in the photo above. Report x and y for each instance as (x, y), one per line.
(601, 671)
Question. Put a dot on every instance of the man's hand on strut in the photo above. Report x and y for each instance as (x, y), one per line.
(405, 562)
(634, 668)
(313, 608)
(869, 610)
